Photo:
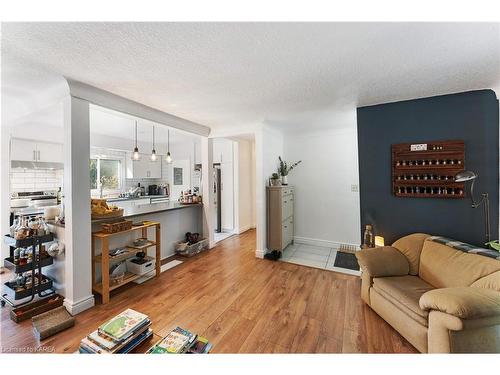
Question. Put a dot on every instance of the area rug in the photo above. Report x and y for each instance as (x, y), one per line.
(346, 260)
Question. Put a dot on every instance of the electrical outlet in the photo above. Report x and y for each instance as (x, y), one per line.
(354, 188)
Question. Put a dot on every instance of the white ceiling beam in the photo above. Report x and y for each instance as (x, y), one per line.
(106, 99)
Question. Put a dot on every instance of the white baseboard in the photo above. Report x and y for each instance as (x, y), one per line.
(321, 243)
(243, 229)
(260, 254)
(79, 306)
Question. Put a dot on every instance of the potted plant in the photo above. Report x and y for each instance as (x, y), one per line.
(284, 169)
(274, 180)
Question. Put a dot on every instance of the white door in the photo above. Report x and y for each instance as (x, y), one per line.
(49, 152)
(23, 150)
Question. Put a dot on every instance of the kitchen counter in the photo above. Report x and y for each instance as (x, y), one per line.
(111, 200)
(150, 209)
(175, 220)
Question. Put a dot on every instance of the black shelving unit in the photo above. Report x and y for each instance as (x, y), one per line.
(45, 284)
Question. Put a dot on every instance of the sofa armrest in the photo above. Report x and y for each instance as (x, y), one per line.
(383, 261)
(463, 302)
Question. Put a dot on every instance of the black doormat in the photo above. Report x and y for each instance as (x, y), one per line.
(346, 260)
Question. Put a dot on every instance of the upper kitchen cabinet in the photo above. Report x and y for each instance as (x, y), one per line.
(28, 150)
(143, 168)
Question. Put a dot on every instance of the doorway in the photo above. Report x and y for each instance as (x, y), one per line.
(223, 188)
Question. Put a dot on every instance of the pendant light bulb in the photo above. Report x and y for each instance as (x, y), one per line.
(153, 152)
(135, 155)
(169, 157)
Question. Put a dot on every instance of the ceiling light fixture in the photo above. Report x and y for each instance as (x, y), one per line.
(169, 157)
(153, 152)
(135, 155)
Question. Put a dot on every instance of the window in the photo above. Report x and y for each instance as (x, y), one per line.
(105, 173)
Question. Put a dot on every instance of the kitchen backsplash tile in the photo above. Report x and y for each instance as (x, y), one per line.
(23, 179)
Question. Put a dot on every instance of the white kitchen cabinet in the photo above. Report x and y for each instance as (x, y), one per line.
(125, 204)
(22, 150)
(28, 150)
(50, 152)
(143, 168)
(142, 201)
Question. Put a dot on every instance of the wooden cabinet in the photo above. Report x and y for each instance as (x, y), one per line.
(28, 150)
(280, 201)
(143, 168)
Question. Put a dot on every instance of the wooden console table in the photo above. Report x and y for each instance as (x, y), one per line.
(104, 288)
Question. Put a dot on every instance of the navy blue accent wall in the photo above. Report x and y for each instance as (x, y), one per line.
(469, 116)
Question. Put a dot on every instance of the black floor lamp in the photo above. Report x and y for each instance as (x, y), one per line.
(485, 200)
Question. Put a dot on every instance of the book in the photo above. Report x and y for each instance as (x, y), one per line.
(200, 346)
(107, 345)
(177, 341)
(121, 326)
(135, 342)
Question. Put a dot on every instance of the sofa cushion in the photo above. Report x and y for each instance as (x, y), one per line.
(489, 282)
(382, 261)
(445, 267)
(464, 302)
(404, 292)
(411, 247)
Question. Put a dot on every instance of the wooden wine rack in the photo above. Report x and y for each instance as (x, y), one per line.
(428, 171)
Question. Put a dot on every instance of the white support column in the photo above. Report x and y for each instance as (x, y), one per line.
(207, 178)
(260, 195)
(77, 206)
(4, 187)
(236, 187)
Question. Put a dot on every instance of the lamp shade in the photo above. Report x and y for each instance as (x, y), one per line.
(465, 176)
(379, 241)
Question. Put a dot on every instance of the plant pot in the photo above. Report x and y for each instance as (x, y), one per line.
(275, 182)
(284, 180)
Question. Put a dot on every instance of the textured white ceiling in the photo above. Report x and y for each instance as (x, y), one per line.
(229, 74)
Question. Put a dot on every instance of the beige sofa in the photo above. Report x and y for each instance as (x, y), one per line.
(442, 300)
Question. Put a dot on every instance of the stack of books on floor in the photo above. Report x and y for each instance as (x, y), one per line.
(120, 334)
(181, 341)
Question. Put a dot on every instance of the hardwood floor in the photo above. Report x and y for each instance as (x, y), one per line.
(242, 305)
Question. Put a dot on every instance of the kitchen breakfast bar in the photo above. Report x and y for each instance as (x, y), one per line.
(156, 229)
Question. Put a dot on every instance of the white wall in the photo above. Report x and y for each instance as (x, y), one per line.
(327, 212)
(245, 186)
(268, 146)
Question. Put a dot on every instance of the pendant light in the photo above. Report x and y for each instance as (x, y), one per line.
(135, 155)
(169, 157)
(153, 152)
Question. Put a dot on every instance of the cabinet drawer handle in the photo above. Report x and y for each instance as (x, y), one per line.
(285, 201)
(286, 226)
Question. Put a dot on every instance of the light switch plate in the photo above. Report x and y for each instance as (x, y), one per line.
(355, 188)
